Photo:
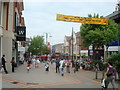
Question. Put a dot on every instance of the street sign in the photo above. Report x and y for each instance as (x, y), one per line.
(77, 19)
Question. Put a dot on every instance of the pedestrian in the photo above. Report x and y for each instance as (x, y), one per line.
(51, 61)
(28, 65)
(21, 60)
(73, 63)
(57, 65)
(13, 64)
(33, 61)
(47, 66)
(67, 63)
(97, 67)
(76, 66)
(37, 63)
(3, 64)
(62, 65)
(110, 74)
(78, 63)
(83, 65)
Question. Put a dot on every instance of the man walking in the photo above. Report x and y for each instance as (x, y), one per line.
(57, 65)
(62, 65)
(3, 64)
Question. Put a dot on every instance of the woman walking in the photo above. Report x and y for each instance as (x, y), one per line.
(28, 65)
(110, 74)
(67, 66)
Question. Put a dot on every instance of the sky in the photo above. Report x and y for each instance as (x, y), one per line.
(40, 16)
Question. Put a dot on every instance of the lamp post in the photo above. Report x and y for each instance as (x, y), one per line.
(46, 37)
(72, 49)
(79, 51)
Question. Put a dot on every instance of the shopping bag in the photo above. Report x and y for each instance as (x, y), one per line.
(103, 83)
(28, 68)
(1, 70)
(15, 64)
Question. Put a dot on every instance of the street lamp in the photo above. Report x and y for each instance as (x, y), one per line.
(72, 49)
(80, 50)
(46, 36)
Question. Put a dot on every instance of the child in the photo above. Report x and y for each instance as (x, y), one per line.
(47, 66)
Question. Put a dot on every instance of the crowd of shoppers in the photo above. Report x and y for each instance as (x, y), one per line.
(61, 64)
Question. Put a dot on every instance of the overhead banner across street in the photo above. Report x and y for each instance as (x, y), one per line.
(77, 19)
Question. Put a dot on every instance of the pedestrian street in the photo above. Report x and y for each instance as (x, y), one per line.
(39, 78)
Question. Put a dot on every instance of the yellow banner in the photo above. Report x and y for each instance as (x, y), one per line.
(77, 19)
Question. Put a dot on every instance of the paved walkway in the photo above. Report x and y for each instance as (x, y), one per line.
(39, 78)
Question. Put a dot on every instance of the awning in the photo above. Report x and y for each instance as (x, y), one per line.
(43, 56)
(57, 55)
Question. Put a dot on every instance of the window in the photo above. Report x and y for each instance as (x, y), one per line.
(7, 13)
(17, 20)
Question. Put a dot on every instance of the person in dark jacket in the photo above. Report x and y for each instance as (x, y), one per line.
(57, 65)
(13, 64)
(3, 64)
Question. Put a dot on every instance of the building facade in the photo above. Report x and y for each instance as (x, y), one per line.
(57, 50)
(115, 47)
(73, 46)
(10, 17)
(67, 46)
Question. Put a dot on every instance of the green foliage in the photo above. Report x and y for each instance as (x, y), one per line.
(119, 30)
(115, 59)
(37, 46)
(99, 35)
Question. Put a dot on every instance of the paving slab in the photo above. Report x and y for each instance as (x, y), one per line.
(39, 78)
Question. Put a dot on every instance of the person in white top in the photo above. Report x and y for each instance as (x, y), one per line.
(62, 65)
(47, 66)
(33, 61)
(37, 63)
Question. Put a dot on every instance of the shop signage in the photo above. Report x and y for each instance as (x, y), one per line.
(21, 33)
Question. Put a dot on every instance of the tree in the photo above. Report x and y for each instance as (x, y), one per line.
(98, 35)
(37, 46)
